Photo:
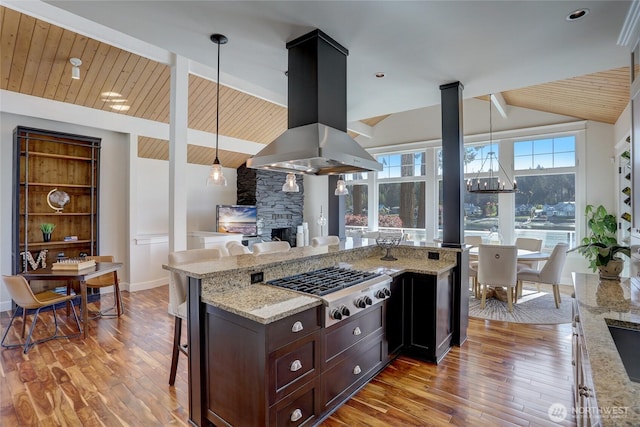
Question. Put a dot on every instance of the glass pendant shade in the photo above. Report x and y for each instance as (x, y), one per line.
(290, 185)
(216, 177)
(341, 188)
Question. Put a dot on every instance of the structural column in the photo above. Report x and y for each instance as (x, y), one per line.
(453, 202)
(336, 210)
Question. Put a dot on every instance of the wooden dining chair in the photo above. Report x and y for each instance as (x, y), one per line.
(105, 281)
(178, 298)
(22, 295)
(497, 267)
(551, 272)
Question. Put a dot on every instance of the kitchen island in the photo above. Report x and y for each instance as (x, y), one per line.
(604, 393)
(240, 333)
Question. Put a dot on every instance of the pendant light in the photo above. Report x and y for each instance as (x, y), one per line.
(492, 184)
(216, 177)
(341, 187)
(290, 185)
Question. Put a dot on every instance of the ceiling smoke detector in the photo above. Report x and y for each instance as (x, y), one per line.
(75, 68)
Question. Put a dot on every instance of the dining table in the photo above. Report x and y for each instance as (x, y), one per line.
(100, 268)
(523, 255)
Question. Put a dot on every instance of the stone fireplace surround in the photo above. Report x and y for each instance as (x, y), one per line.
(276, 208)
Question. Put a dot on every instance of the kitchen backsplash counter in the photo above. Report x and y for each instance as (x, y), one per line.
(600, 303)
(233, 292)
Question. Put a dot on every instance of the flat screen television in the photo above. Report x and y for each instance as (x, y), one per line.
(241, 219)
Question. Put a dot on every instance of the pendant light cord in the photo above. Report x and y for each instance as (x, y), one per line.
(216, 161)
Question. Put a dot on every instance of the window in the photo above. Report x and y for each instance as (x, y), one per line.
(545, 153)
(399, 165)
(545, 201)
(401, 193)
(356, 201)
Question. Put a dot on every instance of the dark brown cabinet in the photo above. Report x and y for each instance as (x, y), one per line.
(45, 161)
(260, 375)
(396, 317)
(420, 322)
(354, 351)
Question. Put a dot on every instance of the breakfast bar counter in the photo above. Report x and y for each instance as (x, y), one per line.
(242, 332)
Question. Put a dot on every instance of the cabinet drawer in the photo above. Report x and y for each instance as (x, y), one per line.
(363, 361)
(292, 365)
(348, 332)
(298, 409)
(292, 328)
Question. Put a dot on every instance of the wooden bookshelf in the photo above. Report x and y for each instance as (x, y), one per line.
(45, 160)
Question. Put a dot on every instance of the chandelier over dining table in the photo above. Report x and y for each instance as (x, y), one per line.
(491, 184)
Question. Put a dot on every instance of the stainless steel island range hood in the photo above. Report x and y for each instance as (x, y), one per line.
(316, 142)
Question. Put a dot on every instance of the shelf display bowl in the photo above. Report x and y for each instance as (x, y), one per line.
(387, 243)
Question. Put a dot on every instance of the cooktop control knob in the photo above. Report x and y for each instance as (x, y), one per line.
(380, 294)
(360, 302)
(344, 310)
(387, 292)
(335, 314)
(367, 300)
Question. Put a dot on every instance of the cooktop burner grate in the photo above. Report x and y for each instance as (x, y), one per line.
(324, 281)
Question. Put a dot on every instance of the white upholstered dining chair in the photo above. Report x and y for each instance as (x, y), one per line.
(529, 244)
(497, 266)
(473, 241)
(551, 272)
(270, 247)
(178, 297)
(325, 241)
(236, 248)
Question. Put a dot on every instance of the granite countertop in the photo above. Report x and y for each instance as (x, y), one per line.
(601, 303)
(265, 304)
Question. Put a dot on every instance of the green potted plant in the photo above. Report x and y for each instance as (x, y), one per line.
(601, 246)
(47, 228)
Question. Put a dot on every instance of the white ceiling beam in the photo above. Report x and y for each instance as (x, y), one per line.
(500, 104)
(361, 129)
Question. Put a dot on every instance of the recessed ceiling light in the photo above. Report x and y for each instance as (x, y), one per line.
(113, 100)
(110, 94)
(577, 14)
(379, 75)
(120, 107)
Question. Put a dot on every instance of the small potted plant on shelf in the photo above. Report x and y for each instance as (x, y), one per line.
(47, 228)
(601, 246)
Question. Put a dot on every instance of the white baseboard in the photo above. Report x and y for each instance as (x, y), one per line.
(141, 286)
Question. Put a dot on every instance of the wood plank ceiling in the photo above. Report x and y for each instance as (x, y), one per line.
(35, 61)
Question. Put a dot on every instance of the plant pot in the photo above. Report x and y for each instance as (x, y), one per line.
(612, 270)
(46, 237)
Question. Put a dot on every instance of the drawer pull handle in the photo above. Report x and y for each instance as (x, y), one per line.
(296, 415)
(357, 331)
(357, 370)
(296, 365)
(297, 327)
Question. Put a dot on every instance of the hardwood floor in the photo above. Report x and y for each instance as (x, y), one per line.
(506, 374)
